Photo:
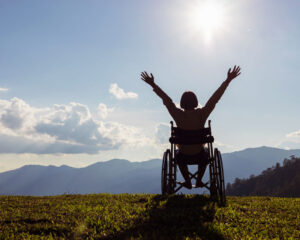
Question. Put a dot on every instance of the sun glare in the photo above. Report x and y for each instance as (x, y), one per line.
(207, 18)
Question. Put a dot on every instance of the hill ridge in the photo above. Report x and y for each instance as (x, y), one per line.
(123, 176)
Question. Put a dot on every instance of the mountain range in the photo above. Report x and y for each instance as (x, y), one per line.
(123, 176)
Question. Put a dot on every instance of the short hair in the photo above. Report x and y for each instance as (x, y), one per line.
(188, 100)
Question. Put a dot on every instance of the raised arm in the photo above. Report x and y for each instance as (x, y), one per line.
(211, 103)
(166, 99)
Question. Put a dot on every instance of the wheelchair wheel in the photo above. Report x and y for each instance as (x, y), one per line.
(213, 180)
(219, 178)
(222, 193)
(167, 181)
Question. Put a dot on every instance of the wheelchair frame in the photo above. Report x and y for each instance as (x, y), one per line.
(215, 185)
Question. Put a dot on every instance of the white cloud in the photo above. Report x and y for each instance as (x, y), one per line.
(3, 89)
(161, 138)
(289, 145)
(119, 93)
(295, 134)
(16, 114)
(128, 136)
(20, 144)
(103, 110)
(223, 147)
(291, 141)
(73, 124)
(61, 129)
(163, 133)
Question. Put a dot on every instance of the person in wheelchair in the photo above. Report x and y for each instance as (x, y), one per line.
(191, 117)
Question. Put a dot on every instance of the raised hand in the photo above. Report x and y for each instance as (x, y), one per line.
(147, 78)
(234, 73)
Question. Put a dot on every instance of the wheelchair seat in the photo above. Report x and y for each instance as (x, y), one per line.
(201, 158)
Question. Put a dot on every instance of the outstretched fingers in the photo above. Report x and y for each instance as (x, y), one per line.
(234, 73)
(236, 68)
(144, 75)
(237, 71)
(146, 78)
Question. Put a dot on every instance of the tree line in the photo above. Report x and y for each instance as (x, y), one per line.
(280, 181)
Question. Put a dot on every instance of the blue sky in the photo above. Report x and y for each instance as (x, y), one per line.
(64, 65)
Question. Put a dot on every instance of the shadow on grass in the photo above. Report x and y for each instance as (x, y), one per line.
(174, 217)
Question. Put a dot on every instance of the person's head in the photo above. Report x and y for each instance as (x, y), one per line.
(188, 100)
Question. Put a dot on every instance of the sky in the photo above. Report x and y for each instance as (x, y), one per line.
(70, 87)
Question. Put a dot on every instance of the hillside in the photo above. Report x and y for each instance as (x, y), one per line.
(242, 164)
(122, 176)
(276, 181)
(125, 216)
(114, 176)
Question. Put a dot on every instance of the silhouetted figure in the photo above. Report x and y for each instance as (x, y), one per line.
(191, 118)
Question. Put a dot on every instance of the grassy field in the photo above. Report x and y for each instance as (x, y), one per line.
(144, 216)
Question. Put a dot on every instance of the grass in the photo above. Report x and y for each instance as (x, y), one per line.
(145, 216)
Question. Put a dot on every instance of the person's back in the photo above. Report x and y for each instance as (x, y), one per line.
(190, 120)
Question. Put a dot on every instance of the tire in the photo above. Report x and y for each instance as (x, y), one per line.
(168, 174)
(220, 178)
(165, 172)
(213, 179)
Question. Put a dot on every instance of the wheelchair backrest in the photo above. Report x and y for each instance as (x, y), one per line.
(190, 137)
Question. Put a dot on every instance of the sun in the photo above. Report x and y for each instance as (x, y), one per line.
(207, 17)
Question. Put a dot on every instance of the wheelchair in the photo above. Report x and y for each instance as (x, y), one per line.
(215, 185)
